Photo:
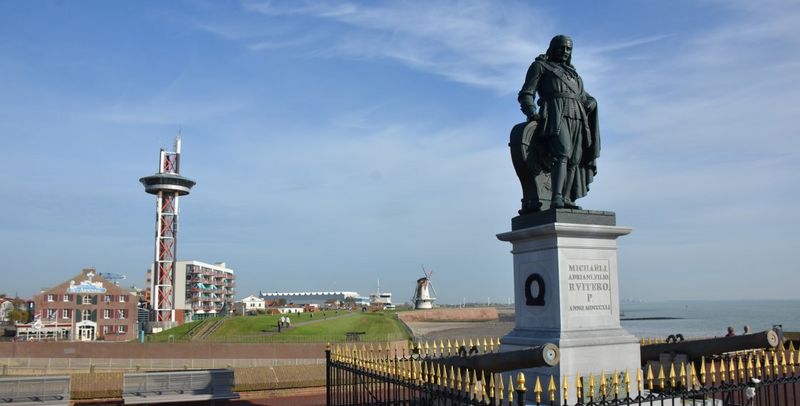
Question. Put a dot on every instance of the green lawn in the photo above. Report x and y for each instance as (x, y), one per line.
(247, 325)
(174, 334)
(330, 327)
(377, 326)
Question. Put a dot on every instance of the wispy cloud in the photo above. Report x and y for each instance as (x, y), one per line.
(473, 42)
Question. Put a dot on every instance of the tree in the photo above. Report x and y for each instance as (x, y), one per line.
(18, 316)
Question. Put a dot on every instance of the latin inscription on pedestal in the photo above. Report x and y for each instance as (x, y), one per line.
(589, 286)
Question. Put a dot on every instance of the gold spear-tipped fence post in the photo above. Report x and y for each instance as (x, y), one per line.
(551, 389)
(579, 387)
(702, 371)
(639, 381)
(491, 388)
(591, 386)
(627, 383)
(682, 375)
(672, 375)
(758, 365)
(451, 382)
(661, 378)
(510, 390)
(731, 370)
(458, 381)
(603, 383)
(537, 390)
(740, 368)
(521, 389)
(650, 378)
(500, 389)
(712, 372)
(564, 387)
(484, 393)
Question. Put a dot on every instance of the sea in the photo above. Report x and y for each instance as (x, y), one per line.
(696, 319)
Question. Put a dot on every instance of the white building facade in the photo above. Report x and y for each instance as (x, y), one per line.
(251, 304)
(202, 290)
(304, 298)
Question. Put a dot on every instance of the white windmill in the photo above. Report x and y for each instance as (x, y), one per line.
(422, 298)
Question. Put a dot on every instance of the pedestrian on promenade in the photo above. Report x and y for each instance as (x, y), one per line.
(730, 332)
(746, 329)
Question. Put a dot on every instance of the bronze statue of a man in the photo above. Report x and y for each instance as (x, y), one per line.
(564, 125)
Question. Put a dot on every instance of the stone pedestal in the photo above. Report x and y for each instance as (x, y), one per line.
(566, 291)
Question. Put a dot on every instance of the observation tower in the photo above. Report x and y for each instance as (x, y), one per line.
(167, 184)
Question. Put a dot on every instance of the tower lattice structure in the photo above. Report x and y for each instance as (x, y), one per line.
(167, 184)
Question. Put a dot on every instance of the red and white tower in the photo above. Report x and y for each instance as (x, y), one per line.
(167, 184)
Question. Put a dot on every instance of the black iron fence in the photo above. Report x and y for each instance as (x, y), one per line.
(392, 375)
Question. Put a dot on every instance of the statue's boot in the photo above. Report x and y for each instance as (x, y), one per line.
(557, 179)
(568, 203)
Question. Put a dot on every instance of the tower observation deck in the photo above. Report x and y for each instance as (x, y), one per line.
(167, 184)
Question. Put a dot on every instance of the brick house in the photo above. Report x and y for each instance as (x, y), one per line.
(87, 307)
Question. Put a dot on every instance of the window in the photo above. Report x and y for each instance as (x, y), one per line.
(106, 313)
(66, 298)
(123, 298)
(121, 329)
(121, 313)
(51, 298)
(106, 329)
(66, 313)
(87, 299)
(86, 315)
(51, 314)
(109, 298)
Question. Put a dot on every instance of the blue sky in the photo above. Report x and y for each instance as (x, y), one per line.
(336, 143)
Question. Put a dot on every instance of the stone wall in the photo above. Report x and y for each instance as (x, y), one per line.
(450, 314)
(160, 350)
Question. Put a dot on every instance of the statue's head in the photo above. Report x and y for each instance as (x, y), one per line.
(560, 49)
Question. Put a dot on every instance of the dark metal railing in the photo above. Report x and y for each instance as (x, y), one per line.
(403, 376)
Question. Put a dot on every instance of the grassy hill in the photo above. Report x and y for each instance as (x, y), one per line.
(332, 327)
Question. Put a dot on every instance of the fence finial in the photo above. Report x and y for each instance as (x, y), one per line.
(510, 390)
(661, 377)
(758, 365)
(491, 386)
(615, 383)
(483, 385)
(775, 363)
(627, 381)
(565, 387)
(500, 389)
(672, 375)
(551, 387)
(451, 381)
(603, 382)
(537, 390)
(639, 380)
